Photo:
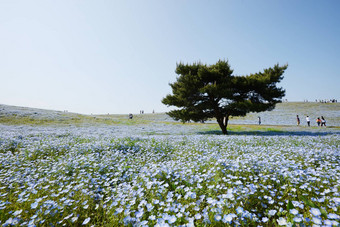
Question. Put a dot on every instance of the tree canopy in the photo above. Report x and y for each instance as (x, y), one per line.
(202, 92)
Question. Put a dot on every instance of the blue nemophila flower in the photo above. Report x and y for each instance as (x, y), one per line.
(161, 222)
(297, 219)
(298, 204)
(333, 216)
(239, 210)
(198, 216)
(119, 210)
(227, 218)
(127, 220)
(282, 221)
(139, 213)
(149, 207)
(317, 220)
(34, 205)
(143, 223)
(11, 221)
(337, 200)
(172, 219)
(31, 223)
(335, 223)
(328, 223)
(315, 211)
(16, 213)
(272, 212)
(218, 217)
(264, 219)
(67, 217)
(152, 217)
(74, 219)
(87, 220)
(127, 211)
(294, 211)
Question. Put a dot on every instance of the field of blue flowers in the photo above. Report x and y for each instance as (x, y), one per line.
(111, 176)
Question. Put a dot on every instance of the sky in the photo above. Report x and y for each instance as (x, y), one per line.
(118, 57)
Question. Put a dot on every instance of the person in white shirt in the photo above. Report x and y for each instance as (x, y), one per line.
(308, 121)
(323, 121)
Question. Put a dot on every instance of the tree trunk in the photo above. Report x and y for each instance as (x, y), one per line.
(223, 123)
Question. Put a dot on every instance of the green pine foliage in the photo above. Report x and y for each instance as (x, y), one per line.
(203, 92)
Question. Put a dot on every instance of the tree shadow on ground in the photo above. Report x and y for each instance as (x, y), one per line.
(271, 133)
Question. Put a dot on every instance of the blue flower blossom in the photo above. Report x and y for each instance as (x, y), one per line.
(315, 211)
(87, 220)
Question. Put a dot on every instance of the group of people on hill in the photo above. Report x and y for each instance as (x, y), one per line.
(320, 121)
(323, 100)
(326, 100)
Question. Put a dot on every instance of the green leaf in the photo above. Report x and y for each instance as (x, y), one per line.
(323, 213)
(308, 202)
(290, 205)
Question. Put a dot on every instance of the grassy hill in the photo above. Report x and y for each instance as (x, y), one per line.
(283, 114)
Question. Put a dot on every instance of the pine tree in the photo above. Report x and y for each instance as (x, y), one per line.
(202, 92)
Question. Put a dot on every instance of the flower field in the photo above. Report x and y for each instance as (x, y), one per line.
(104, 176)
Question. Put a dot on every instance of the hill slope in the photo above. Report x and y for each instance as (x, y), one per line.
(283, 114)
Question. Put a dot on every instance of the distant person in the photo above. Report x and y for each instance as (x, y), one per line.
(308, 121)
(130, 116)
(323, 121)
(259, 120)
(318, 121)
(297, 120)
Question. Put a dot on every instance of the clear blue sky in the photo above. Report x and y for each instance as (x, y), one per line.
(120, 56)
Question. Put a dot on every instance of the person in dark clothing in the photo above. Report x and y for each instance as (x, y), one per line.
(323, 121)
(297, 120)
